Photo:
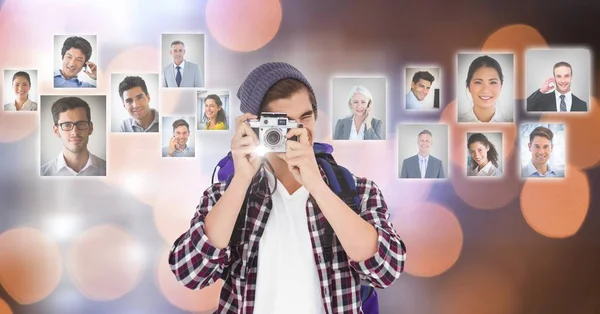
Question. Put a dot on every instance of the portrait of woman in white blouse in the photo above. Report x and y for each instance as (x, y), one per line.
(21, 84)
(485, 81)
(483, 161)
(360, 124)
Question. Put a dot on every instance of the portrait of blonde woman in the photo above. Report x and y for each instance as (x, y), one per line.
(214, 114)
(21, 85)
(483, 157)
(360, 124)
(485, 83)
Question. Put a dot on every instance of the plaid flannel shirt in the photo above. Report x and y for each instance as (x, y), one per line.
(196, 263)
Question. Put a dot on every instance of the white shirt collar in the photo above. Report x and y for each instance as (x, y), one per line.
(412, 101)
(182, 65)
(568, 99)
(13, 105)
(470, 116)
(61, 163)
(357, 135)
(531, 169)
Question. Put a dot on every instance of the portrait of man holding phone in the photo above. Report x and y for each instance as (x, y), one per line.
(177, 145)
(75, 53)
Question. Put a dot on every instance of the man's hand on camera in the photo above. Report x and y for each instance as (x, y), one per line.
(300, 159)
(243, 145)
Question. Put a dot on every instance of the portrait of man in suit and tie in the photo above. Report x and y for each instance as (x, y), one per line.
(423, 164)
(566, 90)
(183, 69)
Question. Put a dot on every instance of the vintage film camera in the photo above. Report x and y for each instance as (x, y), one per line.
(271, 128)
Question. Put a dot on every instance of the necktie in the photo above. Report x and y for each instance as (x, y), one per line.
(178, 76)
(563, 104)
(423, 168)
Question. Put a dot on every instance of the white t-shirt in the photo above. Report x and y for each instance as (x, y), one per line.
(287, 277)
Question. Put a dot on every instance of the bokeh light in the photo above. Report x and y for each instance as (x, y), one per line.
(171, 100)
(137, 59)
(105, 262)
(30, 267)
(515, 38)
(178, 197)
(374, 160)
(582, 132)
(15, 126)
(243, 25)
(182, 297)
(322, 127)
(131, 162)
(432, 235)
(478, 289)
(4, 308)
(556, 207)
(488, 192)
(403, 194)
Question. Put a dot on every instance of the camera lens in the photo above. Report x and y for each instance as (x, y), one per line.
(273, 137)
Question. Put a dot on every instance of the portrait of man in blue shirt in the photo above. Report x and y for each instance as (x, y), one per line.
(75, 53)
(541, 146)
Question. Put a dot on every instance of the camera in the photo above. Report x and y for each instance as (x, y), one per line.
(271, 129)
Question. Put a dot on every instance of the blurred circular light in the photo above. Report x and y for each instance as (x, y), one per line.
(433, 238)
(30, 267)
(556, 207)
(243, 25)
(105, 262)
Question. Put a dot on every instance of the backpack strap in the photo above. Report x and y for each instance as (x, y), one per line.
(342, 184)
(236, 233)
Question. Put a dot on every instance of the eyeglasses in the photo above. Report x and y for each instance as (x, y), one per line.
(68, 126)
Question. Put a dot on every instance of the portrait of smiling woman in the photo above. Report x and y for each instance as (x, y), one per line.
(486, 82)
(214, 113)
(360, 124)
(484, 159)
(20, 88)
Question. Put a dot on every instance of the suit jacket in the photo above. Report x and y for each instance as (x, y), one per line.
(410, 168)
(345, 125)
(539, 101)
(190, 77)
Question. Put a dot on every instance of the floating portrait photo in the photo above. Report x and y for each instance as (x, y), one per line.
(75, 61)
(485, 154)
(422, 88)
(73, 135)
(359, 108)
(21, 91)
(485, 90)
(542, 150)
(422, 151)
(213, 110)
(558, 80)
(134, 103)
(178, 137)
(182, 61)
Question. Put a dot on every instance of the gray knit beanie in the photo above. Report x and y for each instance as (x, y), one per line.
(255, 86)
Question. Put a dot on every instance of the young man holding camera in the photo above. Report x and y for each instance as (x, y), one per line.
(281, 268)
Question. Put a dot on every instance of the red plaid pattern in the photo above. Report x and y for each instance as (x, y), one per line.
(197, 264)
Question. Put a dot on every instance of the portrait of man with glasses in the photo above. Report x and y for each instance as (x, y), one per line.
(72, 124)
